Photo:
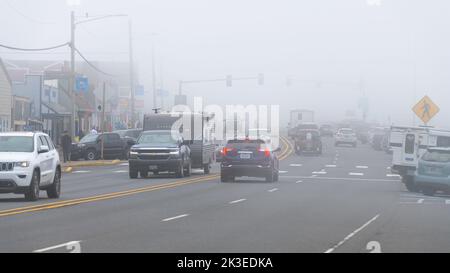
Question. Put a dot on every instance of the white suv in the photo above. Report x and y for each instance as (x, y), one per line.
(345, 136)
(29, 163)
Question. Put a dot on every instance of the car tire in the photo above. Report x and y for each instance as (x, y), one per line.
(276, 176)
(33, 191)
(133, 173)
(180, 171)
(206, 169)
(410, 186)
(270, 177)
(428, 191)
(143, 174)
(91, 154)
(54, 191)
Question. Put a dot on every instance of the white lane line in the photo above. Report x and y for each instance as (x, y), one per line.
(282, 171)
(69, 245)
(300, 181)
(331, 166)
(321, 172)
(447, 202)
(362, 167)
(295, 165)
(313, 176)
(121, 171)
(124, 164)
(392, 175)
(237, 201)
(356, 174)
(420, 201)
(340, 178)
(388, 168)
(176, 217)
(352, 234)
(81, 171)
(272, 190)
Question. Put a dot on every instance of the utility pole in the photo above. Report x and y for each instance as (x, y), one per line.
(131, 74)
(72, 70)
(103, 117)
(153, 72)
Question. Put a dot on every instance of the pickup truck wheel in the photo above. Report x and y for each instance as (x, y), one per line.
(54, 191)
(180, 171)
(270, 176)
(33, 191)
(206, 169)
(91, 154)
(133, 173)
(188, 170)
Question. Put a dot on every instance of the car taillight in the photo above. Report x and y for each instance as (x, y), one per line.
(266, 152)
(226, 150)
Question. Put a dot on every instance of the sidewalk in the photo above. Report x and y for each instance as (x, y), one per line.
(69, 166)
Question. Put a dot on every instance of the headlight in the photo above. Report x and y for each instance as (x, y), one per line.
(23, 164)
(133, 153)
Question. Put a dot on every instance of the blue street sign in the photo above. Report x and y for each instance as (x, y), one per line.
(139, 90)
(81, 84)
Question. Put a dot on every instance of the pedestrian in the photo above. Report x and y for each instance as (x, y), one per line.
(94, 131)
(66, 142)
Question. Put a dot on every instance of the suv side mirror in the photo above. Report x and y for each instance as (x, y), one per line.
(43, 149)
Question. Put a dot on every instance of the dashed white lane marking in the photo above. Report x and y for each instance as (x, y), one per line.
(121, 171)
(176, 217)
(81, 171)
(392, 175)
(314, 175)
(321, 172)
(282, 171)
(331, 166)
(388, 168)
(272, 190)
(300, 181)
(124, 164)
(352, 234)
(295, 165)
(237, 201)
(420, 201)
(356, 174)
(362, 167)
(73, 245)
(340, 178)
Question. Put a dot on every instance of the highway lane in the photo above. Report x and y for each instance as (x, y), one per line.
(317, 206)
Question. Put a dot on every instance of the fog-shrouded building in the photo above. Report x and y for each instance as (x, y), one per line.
(5, 99)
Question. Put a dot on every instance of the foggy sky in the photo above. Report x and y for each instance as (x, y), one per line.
(395, 48)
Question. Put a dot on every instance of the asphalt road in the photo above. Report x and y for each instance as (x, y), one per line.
(343, 201)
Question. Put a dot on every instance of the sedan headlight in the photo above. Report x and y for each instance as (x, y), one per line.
(22, 164)
(133, 152)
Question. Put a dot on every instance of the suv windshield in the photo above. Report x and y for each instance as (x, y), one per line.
(16, 144)
(157, 138)
(437, 156)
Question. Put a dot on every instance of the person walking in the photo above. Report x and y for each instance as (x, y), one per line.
(94, 131)
(66, 142)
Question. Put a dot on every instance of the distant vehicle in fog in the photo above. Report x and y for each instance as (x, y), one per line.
(345, 136)
(308, 141)
(326, 130)
(297, 117)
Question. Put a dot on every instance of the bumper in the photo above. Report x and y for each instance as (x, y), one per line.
(345, 140)
(15, 181)
(438, 183)
(170, 165)
(246, 170)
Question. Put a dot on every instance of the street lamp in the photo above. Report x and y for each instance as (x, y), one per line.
(73, 25)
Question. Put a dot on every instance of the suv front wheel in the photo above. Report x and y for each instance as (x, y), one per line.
(54, 191)
(33, 191)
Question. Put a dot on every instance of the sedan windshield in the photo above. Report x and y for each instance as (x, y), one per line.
(89, 138)
(16, 144)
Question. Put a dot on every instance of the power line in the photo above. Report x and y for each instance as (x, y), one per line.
(34, 49)
(92, 65)
(26, 16)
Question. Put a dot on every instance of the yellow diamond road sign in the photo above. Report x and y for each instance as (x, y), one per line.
(426, 109)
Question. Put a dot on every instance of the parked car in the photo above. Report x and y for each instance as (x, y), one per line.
(249, 157)
(433, 171)
(90, 147)
(129, 134)
(158, 151)
(345, 136)
(29, 163)
(308, 141)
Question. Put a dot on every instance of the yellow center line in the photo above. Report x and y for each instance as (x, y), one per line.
(52, 205)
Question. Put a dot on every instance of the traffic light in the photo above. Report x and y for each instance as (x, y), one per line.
(260, 78)
(229, 81)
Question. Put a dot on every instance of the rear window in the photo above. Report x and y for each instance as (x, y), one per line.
(245, 144)
(346, 132)
(437, 156)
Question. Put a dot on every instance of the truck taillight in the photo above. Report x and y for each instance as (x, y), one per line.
(266, 152)
(226, 150)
